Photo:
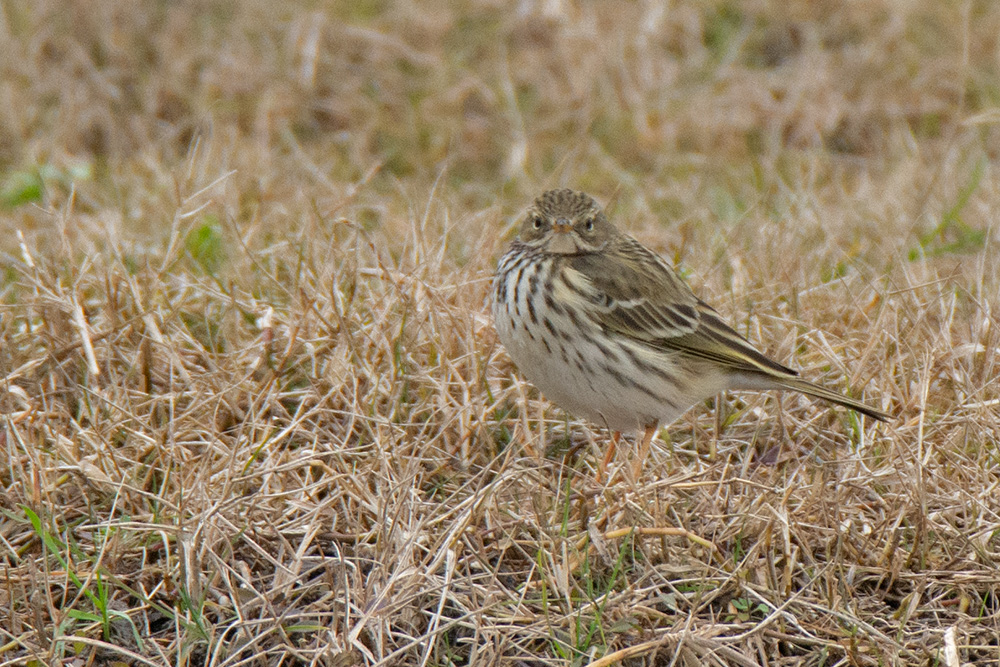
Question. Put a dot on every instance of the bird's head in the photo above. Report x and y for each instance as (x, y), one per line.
(566, 222)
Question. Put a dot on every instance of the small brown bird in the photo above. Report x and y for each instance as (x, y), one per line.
(606, 329)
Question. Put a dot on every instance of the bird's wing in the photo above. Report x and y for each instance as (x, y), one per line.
(632, 292)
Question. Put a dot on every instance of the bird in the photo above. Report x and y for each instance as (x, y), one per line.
(606, 328)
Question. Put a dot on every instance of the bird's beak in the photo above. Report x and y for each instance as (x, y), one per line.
(562, 226)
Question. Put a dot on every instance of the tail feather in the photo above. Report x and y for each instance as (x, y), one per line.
(810, 389)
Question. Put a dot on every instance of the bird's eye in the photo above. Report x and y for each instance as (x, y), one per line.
(589, 225)
(536, 222)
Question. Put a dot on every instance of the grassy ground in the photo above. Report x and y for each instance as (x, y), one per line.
(254, 412)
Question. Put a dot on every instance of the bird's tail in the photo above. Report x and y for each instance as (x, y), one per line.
(810, 389)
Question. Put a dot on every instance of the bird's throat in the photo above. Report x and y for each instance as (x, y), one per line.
(562, 244)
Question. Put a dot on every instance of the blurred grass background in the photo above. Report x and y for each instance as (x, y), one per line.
(253, 409)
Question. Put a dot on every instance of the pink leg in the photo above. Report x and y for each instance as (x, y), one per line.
(608, 455)
(647, 438)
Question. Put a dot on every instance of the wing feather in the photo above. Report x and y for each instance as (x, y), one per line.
(633, 292)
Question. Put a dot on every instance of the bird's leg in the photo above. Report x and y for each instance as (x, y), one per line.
(608, 455)
(647, 438)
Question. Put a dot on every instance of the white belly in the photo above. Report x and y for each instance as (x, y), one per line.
(617, 383)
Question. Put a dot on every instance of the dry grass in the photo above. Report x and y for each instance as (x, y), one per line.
(254, 412)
